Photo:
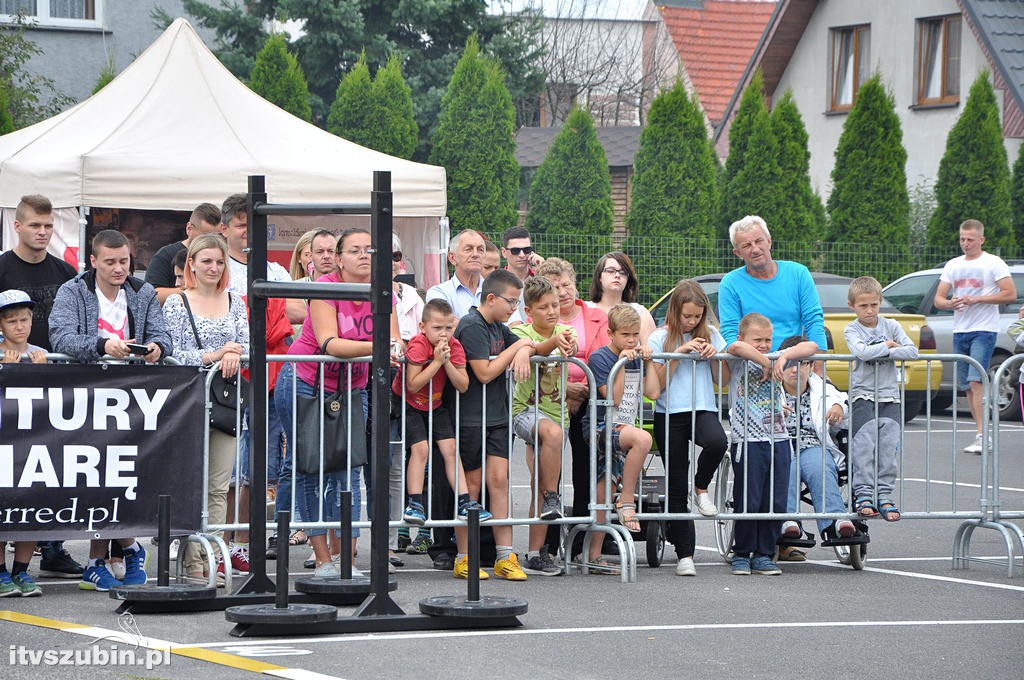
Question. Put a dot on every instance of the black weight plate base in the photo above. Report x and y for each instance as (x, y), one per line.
(293, 614)
(488, 606)
(375, 624)
(175, 592)
(852, 540)
(332, 585)
(219, 603)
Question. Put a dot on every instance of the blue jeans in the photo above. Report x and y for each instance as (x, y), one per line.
(815, 466)
(979, 346)
(284, 471)
(312, 505)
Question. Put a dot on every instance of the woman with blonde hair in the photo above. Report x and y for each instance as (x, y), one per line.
(208, 325)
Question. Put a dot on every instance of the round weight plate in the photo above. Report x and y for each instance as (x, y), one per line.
(171, 593)
(332, 585)
(488, 606)
(292, 614)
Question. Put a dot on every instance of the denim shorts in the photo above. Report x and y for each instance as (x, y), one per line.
(979, 346)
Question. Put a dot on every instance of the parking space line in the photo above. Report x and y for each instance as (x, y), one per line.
(387, 638)
(969, 485)
(927, 577)
(197, 652)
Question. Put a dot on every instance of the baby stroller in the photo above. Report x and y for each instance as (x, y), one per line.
(850, 551)
(650, 497)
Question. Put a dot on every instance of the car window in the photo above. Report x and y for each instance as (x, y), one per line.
(908, 295)
(1018, 282)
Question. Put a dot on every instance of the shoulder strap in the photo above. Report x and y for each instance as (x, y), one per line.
(191, 320)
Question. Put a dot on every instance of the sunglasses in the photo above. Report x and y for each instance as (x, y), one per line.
(524, 251)
(396, 256)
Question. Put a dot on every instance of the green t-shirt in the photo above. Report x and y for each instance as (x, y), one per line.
(549, 401)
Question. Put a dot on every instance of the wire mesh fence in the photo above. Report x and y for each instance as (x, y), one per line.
(661, 261)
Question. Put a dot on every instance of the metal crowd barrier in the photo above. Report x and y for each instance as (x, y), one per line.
(999, 518)
(983, 511)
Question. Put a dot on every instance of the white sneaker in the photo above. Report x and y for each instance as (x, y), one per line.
(685, 566)
(327, 570)
(117, 569)
(704, 504)
(790, 529)
(974, 447)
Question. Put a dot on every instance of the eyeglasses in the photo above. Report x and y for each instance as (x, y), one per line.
(612, 271)
(525, 251)
(396, 256)
(356, 252)
(513, 302)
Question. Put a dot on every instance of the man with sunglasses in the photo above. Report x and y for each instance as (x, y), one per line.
(522, 261)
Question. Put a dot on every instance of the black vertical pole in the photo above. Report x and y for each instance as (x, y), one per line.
(473, 587)
(163, 548)
(283, 532)
(379, 602)
(345, 535)
(257, 271)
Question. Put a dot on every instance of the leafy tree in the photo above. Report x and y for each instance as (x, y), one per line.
(352, 113)
(869, 201)
(30, 97)
(756, 189)
(277, 77)
(751, 104)
(974, 174)
(107, 74)
(572, 191)
(475, 142)
(427, 37)
(1017, 196)
(802, 215)
(675, 183)
(397, 132)
(6, 122)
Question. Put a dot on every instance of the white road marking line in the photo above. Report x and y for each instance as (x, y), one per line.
(383, 637)
(927, 577)
(969, 485)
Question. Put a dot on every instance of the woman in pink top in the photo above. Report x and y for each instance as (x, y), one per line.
(345, 330)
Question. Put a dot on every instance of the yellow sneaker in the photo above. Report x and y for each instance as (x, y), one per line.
(509, 569)
(461, 569)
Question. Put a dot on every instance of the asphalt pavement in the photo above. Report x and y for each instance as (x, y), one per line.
(907, 615)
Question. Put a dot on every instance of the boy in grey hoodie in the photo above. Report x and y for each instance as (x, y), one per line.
(875, 422)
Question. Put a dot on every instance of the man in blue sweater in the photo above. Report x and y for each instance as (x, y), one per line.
(782, 291)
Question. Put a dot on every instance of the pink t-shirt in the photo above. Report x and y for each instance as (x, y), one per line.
(579, 324)
(421, 353)
(355, 322)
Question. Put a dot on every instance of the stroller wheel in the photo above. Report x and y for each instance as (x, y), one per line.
(655, 543)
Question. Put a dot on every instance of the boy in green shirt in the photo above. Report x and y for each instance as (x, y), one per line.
(537, 415)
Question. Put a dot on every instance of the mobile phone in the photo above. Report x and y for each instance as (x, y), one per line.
(135, 348)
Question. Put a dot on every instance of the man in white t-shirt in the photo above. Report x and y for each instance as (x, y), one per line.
(979, 283)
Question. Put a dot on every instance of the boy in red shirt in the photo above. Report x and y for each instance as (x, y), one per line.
(432, 358)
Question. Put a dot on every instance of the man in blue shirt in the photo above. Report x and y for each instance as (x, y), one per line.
(462, 290)
(782, 291)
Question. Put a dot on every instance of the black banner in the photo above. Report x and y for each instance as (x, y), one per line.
(85, 450)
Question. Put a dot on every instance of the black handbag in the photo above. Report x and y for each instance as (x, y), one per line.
(334, 412)
(224, 395)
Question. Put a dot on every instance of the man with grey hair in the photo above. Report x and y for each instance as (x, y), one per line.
(462, 291)
(781, 290)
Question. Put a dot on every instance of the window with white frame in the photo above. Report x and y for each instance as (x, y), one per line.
(937, 67)
(68, 13)
(851, 63)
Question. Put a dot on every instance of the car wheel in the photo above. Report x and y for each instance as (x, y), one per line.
(941, 402)
(912, 408)
(1006, 392)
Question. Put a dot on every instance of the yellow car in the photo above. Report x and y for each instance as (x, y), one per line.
(832, 292)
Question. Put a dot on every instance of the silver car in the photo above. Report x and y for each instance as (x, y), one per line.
(915, 293)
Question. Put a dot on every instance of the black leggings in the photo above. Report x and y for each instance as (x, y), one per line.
(709, 435)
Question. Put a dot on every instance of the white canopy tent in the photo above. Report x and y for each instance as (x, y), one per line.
(176, 128)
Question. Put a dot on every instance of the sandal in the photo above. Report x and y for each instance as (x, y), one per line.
(887, 509)
(603, 567)
(298, 537)
(865, 507)
(627, 516)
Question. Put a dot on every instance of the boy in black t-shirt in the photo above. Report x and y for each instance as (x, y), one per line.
(484, 406)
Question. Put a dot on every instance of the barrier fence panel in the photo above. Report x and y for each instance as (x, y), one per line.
(932, 467)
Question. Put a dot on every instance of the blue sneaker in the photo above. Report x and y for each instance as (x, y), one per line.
(25, 585)
(7, 587)
(98, 578)
(135, 567)
(741, 566)
(414, 514)
(763, 564)
(464, 509)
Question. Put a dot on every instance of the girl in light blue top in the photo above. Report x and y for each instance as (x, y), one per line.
(686, 409)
